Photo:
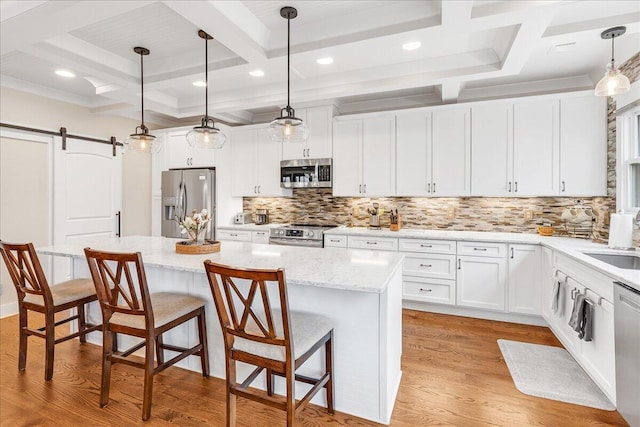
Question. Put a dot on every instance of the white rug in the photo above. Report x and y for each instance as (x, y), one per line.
(551, 372)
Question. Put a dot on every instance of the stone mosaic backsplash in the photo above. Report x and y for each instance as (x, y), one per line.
(501, 214)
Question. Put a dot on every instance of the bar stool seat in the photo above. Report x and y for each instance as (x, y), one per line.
(167, 306)
(65, 292)
(306, 330)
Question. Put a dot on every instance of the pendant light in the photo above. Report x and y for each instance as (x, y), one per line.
(287, 127)
(206, 135)
(613, 82)
(141, 141)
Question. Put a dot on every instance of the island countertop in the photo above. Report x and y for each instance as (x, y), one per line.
(354, 270)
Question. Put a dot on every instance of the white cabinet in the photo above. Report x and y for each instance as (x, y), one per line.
(179, 154)
(364, 157)
(428, 290)
(536, 165)
(524, 279)
(332, 241)
(319, 144)
(451, 161)
(238, 235)
(255, 163)
(492, 150)
(583, 146)
(547, 283)
(434, 153)
(375, 243)
(481, 277)
(260, 237)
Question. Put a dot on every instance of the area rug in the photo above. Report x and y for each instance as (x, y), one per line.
(551, 372)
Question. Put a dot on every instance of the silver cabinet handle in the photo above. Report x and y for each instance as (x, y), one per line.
(255, 189)
(426, 246)
(511, 253)
(258, 189)
(233, 235)
(509, 187)
(119, 216)
(360, 188)
(308, 155)
(515, 187)
(480, 249)
(425, 290)
(563, 186)
(429, 188)
(364, 188)
(434, 187)
(459, 266)
(372, 243)
(426, 265)
(334, 240)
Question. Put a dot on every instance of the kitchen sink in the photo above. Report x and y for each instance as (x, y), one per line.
(626, 261)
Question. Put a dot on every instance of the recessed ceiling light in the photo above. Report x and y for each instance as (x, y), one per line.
(65, 73)
(325, 61)
(256, 73)
(411, 45)
(199, 83)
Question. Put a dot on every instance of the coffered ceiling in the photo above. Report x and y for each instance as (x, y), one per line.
(470, 50)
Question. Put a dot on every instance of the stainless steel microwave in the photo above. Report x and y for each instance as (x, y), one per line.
(306, 173)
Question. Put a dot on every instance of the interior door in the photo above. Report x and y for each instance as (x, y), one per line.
(87, 195)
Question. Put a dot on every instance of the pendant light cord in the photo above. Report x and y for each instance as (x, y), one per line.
(612, 55)
(142, 89)
(206, 78)
(288, 65)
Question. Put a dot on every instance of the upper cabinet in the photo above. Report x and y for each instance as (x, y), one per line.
(536, 166)
(434, 153)
(179, 154)
(319, 143)
(255, 163)
(583, 146)
(364, 157)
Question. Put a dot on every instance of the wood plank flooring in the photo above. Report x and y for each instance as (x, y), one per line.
(453, 375)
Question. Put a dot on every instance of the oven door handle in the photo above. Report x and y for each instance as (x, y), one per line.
(295, 242)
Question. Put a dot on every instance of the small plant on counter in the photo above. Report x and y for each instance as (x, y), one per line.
(195, 225)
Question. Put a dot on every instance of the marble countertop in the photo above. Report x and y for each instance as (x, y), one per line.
(574, 248)
(353, 270)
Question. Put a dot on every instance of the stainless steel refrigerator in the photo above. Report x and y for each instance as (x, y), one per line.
(184, 190)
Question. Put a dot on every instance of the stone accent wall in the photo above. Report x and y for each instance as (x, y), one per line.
(469, 213)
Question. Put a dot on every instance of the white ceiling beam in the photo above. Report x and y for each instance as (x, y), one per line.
(456, 14)
(538, 87)
(450, 91)
(525, 40)
(11, 8)
(632, 20)
(54, 18)
(230, 24)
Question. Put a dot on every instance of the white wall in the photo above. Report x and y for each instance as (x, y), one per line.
(38, 112)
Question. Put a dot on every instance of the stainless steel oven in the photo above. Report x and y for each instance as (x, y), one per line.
(307, 235)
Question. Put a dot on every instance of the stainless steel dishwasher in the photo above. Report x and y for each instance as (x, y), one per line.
(627, 330)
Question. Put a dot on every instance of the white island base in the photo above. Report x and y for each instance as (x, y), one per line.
(361, 291)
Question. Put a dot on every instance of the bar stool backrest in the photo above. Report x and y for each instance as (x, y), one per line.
(25, 270)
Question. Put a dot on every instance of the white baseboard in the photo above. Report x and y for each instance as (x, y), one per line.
(478, 314)
(8, 309)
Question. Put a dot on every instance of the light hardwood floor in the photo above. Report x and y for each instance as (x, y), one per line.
(453, 374)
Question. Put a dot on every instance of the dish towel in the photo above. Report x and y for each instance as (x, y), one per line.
(576, 313)
(586, 321)
(555, 295)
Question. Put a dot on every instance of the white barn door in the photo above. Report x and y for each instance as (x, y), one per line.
(87, 195)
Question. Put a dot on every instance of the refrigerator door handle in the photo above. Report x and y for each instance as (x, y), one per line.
(184, 200)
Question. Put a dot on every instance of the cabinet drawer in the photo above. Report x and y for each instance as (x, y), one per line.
(429, 246)
(241, 235)
(429, 290)
(496, 250)
(376, 243)
(431, 265)
(335, 241)
(260, 237)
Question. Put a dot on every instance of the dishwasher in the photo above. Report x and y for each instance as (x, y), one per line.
(627, 333)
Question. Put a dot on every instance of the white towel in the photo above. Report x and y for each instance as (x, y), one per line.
(555, 295)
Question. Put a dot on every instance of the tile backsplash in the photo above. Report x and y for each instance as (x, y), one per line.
(461, 213)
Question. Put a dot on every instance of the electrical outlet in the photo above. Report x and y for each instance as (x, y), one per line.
(451, 212)
(528, 215)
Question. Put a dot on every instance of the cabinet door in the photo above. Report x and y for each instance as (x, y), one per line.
(481, 282)
(379, 156)
(178, 151)
(347, 158)
(374, 243)
(548, 280)
(564, 332)
(583, 146)
(429, 290)
(492, 150)
(260, 237)
(244, 161)
(268, 163)
(320, 121)
(599, 354)
(451, 161)
(535, 148)
(413, 148)
(203, 157)
(524, 279)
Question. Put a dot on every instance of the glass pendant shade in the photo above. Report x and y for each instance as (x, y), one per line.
(613, 82)
(288, 129)
(206, 136)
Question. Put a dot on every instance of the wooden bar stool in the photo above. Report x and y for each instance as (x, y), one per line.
(277, 341)
(35, 294)
(128, 308)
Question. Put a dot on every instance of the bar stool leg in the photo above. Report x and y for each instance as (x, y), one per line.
(50, 341)
(107, 345)
(328, 365)
(148, 378)
(202, 333)
(22, 353)
(82, 323)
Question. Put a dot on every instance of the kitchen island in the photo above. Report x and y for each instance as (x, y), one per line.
(360, 290)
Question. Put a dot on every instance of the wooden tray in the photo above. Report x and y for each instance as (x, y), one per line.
(184, 247)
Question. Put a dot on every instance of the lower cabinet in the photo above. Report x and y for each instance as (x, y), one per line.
(238, 235)
(524, 279)
(260, 237)
(481, 282)
(374, 243)
(331, 241)
(426, 289)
